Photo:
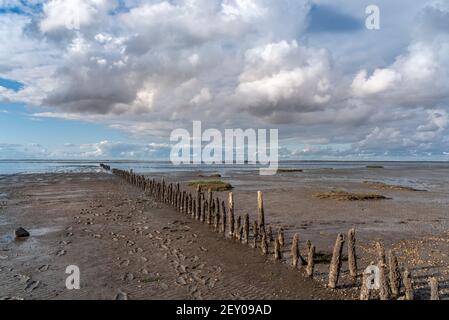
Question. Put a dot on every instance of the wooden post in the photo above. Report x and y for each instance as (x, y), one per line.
(190, 204)
(264, 245)
(223, 220)
(281, 237)
(381, 252)
(335, 266)
(246, 230)
(205, 206)
(395, 274)
(255, 233)
(270, 234)
(209, 208)
(408, 285)
(212, 212)
(365, 291)
(310, 261)
(217, 210)
(384, 290)
(231, 214)
(237, 228)
(434, 289)
(277, 250)
(261, 211)
(217, 215)
(217, 222)
(183, 203)
(198, 202)
(352, 258)
(295, 251)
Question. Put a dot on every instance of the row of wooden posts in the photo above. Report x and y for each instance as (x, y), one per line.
(221, 219)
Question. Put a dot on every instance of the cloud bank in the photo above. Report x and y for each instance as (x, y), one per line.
(146, 67)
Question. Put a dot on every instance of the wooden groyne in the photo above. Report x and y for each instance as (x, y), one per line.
(219, 217)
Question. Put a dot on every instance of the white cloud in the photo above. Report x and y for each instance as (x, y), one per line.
(161, 64)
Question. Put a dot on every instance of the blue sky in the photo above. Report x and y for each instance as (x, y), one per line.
(119, 80)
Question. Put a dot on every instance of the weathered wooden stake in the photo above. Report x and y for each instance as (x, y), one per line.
(408, 285)
(381, 252)
(270, 234)
(277, 250)
(264, 245)
(255, 233)
(261, 210)
(384, 289)
(365, 291)
(210, 208)
(394, 275)
(246, 229)
(237, 228)
(352, 257)
(310, 260)
(295, 251)
(281, 237)
(434, 289)
(198, 201)
(224, 221)
(205, 206)
(231, 214)
(335, 266)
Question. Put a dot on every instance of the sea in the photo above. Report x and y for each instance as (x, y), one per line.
(8, 167)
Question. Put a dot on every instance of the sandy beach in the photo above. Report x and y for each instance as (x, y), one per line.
(127, 246)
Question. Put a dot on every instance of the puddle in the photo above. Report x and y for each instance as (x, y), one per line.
(44, 231)
(6, 239)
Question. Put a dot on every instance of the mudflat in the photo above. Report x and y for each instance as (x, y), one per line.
(126, 247)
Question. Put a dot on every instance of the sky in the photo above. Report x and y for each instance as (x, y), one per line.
(110, 79)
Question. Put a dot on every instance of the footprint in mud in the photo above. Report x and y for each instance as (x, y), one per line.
(128, 277)
(181, 281)
(32, 285)
(121, 295)
(124, 263)
(22, 278)
(61, 253)
(43, 268)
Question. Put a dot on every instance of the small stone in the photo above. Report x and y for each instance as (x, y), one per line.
(22, 233)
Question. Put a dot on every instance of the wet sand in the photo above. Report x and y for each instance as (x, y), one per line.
(124, 242)
(126, 246)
